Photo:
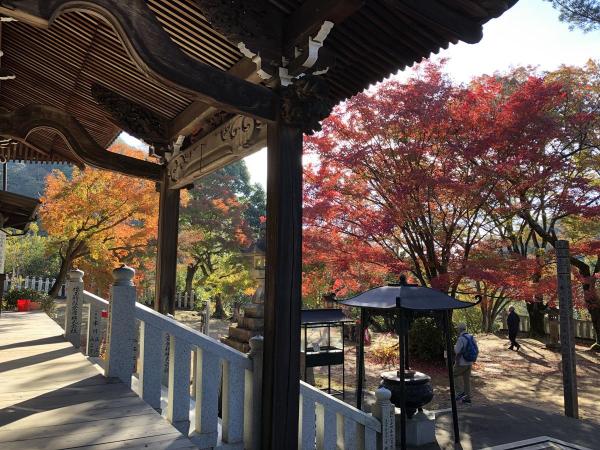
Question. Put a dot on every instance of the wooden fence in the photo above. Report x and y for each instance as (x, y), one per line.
(583, 328)
(210, 387)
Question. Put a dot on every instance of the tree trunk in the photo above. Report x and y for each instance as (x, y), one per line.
(536, 312)
(498, 305)
(219, 310)
(592, 303)
(537, 308)
(189, 278)
(595, 314)
(65, 266)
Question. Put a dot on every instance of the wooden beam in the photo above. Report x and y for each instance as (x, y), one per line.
(150, 46)
(305, 21)
(231, 141)
(189, 119)
(281, 367)
(166, 258)
(20, 123)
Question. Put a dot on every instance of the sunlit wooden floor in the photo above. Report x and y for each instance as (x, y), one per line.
(52, 397)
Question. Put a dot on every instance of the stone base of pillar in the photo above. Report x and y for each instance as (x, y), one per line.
(420, 430)
(250, 324)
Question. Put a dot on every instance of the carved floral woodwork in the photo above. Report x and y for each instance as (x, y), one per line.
(305, 103)
(231, 141)
(133, 118)
(209, 124)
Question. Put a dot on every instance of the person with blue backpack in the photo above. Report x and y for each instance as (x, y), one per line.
(466, 352)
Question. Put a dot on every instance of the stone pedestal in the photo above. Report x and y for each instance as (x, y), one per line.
(420, 429)
(249, 325)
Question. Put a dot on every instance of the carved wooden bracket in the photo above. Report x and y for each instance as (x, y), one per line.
(282, 47)
(134, 118)
(256, 23)
(231, 141)
(19, 123)
(156, 54)
(305, 103)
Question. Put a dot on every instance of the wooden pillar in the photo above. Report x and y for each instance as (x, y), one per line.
(166, 259)
(567, 338)
(281, 367)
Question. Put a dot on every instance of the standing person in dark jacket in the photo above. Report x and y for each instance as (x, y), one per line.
(513, 328)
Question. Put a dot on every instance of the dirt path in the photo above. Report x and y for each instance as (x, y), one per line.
(530, 377)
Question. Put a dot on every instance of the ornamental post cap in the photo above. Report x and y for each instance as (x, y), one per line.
(256, 344)
(383, 394)
(76, 275)
(123, 275)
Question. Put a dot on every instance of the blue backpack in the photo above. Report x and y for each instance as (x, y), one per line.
(471, 351)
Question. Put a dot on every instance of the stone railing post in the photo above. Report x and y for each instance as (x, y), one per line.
(384, 410)
(94, 332)
(253, 426)
(73, 307)
(121, 326)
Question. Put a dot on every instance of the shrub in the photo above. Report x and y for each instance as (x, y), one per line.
(384, 354)
(11, 297)
(472, 317)
(47, 303)
(426, 340)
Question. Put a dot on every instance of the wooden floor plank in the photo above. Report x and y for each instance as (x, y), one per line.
(163, 442)
(52, 397)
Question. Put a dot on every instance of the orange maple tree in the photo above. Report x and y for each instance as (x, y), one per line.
(97, 219)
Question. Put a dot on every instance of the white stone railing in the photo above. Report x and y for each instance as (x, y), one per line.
(211, 388)
(328, 423)
(38, 284)
(584, 329)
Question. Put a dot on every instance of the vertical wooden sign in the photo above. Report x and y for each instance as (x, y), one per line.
(567, 339)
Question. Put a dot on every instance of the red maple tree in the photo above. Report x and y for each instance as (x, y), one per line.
(431, 175)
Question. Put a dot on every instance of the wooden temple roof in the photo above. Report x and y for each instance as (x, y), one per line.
(58, 65)
(17, 211)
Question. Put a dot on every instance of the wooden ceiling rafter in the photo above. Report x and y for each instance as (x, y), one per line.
(90, 39)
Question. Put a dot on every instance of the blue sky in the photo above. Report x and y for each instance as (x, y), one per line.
(528, 34)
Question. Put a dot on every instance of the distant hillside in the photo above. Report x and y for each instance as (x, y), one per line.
(29, 179)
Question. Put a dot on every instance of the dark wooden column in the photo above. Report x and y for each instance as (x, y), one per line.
(281, 367)
(166, 260)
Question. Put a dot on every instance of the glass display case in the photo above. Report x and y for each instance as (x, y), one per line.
(321, 348)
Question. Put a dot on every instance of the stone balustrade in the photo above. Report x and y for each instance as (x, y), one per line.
(211, 388)
(327, 422)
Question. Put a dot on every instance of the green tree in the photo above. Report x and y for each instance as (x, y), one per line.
(221, 219)
(30, 255)
(582, 14)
